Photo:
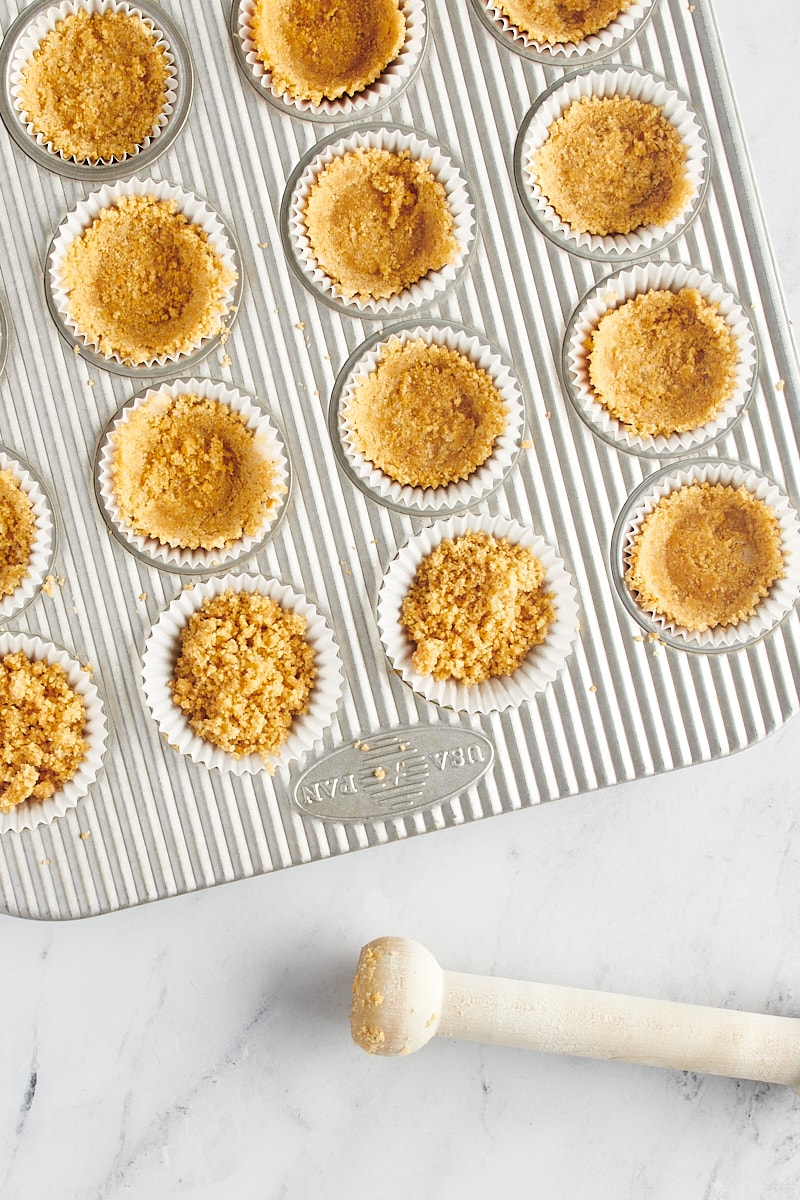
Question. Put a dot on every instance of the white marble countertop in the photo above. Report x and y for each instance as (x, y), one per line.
(200, 1047)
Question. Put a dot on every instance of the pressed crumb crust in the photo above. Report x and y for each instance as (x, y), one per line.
(705, 556)
(187, 472)
(17, 533)
(96, 85)
(42, 720)
(322, 49)
(475, 607)
(378, 221)
(426, 415)
(143, 281)
(562, 20)
(244, 672)
(612, 164)
(663, 362)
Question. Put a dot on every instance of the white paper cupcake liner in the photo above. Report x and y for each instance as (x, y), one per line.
(40, 19)
(268, 442)
(386, 88)
(453, 496)
(543, 663)
(42, 812)
(160, 656)
(220, 238)
(43, 547)
(611, 293)
(393, 138)
(772, 609)
(608, 40)
(606, 82)
(3, 337)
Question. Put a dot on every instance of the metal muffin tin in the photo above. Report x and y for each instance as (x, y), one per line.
(391, 765)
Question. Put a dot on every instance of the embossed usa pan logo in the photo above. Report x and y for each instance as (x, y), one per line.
(390, 774)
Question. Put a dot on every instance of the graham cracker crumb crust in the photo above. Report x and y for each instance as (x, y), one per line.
(187, 472)
(475, 608)
(17, 533)
(706, 556)
(378, 221)
(663, 362)
(612, 164)
(144, 282)
(426, 415)
(319, 50)
(96, 85)
(553, 21)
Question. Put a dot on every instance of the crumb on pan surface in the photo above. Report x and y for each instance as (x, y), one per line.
(610, 164)
(426, 415)
(244, 671)
(96, 85)
(143, 281)
(17, 533)
(561, 20)
(378, 221)
(475, 607)
(705, 556)
(663, 362)
(42, 721)
(322, 49)
(187, 472)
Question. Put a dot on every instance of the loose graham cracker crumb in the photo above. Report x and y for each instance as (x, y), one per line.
(187, 472)
(378, 221)
(96, 85)
(17, 533)
(317, 50)
(244, 672)
(663, 362)
(426, 415)
(611, 164)
(562, 20)
(143, 281)
(475, 607)
(42, 742)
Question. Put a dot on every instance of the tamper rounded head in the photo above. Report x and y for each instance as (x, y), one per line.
(397, 997)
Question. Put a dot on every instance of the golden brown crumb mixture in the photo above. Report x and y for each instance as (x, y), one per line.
(42, 721)
(562, 20)
(96, 85)
(426, 415)
(17, 532)
(664, 362)
(612, 164)
(144, 281)
(475, 607)
(378, 221)
(244, 672)
(187, 472)
(705, 556)
(321, 49)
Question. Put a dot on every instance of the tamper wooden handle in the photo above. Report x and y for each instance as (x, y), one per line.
(402, 998)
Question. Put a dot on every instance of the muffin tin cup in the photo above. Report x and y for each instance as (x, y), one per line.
(606, 82)
(609, 40)
(161, 653)
(772, 609)
(270, 443)
(542, 664)
(22, 40)
(41, 812)
(611, 293)
(390, 85)
(427, 500)
(395, 138)
(198, 212)
(44, 539)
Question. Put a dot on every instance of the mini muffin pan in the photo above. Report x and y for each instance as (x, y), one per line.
(387, 762)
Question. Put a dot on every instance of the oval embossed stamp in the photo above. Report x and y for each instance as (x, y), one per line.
(393, 773)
